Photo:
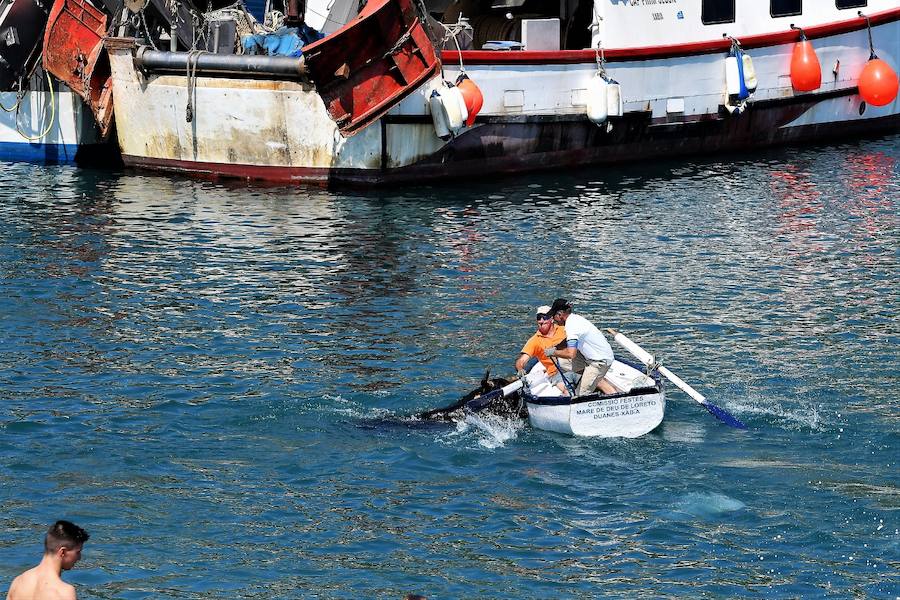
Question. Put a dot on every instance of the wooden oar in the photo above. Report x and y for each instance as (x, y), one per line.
(647, 358)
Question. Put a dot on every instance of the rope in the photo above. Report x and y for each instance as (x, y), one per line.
(20, 93)
(193, 56)
(274, 21)
(869, 27)
(13, 107)
(600, 57)
(52, 114)
(453, 31)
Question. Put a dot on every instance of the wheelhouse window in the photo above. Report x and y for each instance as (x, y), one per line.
(717, 11)
(849, 3)
(785, 8)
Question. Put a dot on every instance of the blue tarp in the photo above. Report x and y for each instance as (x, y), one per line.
(287, 41)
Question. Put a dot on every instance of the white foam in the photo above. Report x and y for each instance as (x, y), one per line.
(490, 430)
(689, 432)
(791, 416)
(708, 504)
(496, 430)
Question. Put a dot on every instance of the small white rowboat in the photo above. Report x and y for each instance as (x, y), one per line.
(637, 407)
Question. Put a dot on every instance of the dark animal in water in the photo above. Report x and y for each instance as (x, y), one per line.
(510, 406)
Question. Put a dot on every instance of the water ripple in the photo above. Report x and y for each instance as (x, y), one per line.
(214, 379)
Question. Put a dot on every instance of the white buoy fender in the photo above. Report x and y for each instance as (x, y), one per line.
(438, 115)
(615, 106)
(734, 76)
(596, 106)
(448, 109)
(456, 119)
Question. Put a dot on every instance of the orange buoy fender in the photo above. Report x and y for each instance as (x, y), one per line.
(806, 73)
(878, 83)
(472, 96)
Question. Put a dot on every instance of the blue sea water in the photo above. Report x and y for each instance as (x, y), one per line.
(212, 379)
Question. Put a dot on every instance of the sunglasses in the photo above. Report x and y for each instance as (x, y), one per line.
(544, 317)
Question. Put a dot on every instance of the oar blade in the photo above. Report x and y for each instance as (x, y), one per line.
(646, 358)
(723, 415)
(481, 402)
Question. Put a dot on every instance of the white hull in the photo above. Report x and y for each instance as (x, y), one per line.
(533, 114)
(628, 414)
(45, 127)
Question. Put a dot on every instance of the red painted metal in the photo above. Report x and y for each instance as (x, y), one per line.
(372, 63)
(482, 57)
(74, 54)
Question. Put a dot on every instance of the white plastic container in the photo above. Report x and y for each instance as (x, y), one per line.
(615, 106)
(448, 109)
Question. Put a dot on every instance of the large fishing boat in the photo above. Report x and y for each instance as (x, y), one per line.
(410, 90)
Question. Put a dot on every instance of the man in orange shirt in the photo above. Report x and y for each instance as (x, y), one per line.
(548, 334)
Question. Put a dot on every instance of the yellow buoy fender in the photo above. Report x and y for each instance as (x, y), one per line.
(749, 73)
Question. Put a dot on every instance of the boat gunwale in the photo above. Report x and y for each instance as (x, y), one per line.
(485, 57)
(633, 392)
(570, 401)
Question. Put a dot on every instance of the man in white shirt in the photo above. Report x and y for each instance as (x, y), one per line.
(587, 347)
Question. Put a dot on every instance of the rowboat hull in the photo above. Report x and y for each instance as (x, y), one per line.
(628, 414)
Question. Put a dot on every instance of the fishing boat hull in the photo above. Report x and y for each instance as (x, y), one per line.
(637, 409)
(51, 127)
(534, 116)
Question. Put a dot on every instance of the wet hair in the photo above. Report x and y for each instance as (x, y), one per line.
(64, 534)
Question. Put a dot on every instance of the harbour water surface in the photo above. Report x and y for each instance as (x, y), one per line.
(212, 379)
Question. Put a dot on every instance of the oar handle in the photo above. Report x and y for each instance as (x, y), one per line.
(638, 352)
(512, 387)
